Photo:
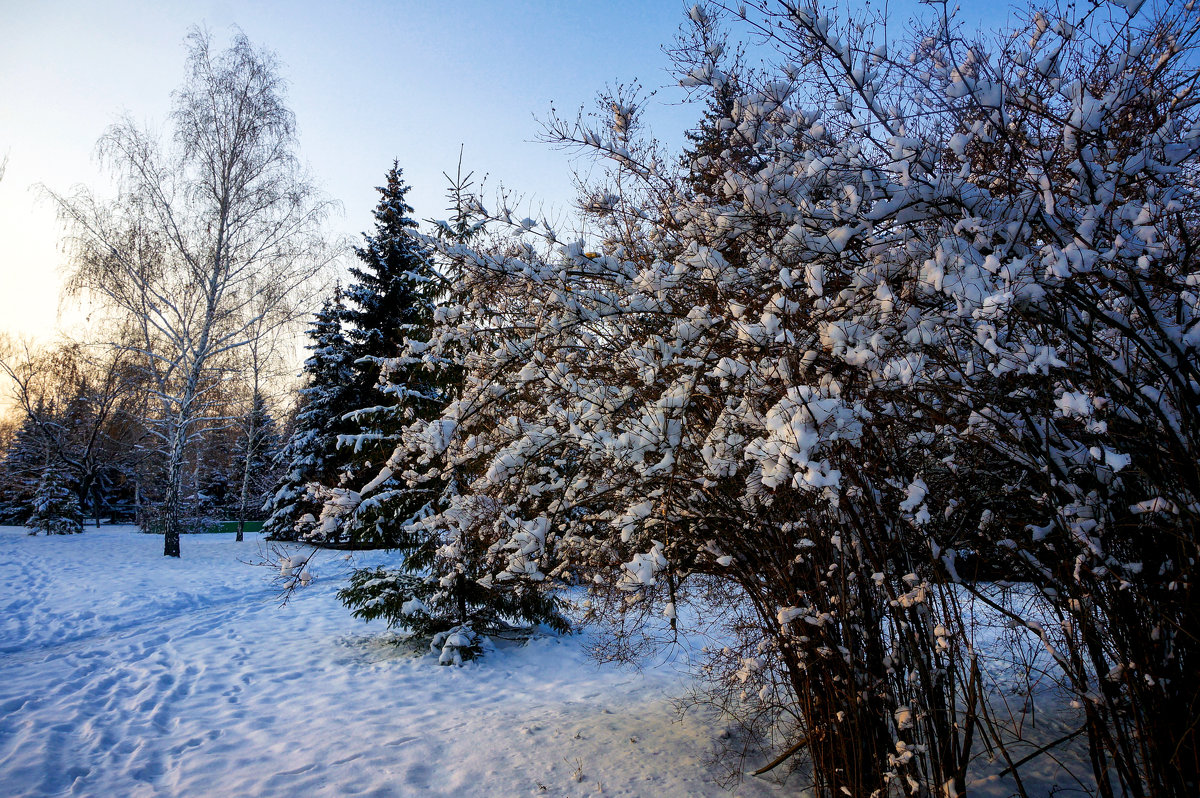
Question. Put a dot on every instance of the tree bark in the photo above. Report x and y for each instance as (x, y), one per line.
(247, 464)
(171, 508)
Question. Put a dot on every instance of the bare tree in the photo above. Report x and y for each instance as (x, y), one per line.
(208, 235)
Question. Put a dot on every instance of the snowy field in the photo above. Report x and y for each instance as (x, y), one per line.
(124, 673)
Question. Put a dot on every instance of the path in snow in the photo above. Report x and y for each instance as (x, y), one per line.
(126, 673)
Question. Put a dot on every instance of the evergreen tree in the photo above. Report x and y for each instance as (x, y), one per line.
(390, 303)
(20, 473)
(55, 506)
(715, 146)
(392, 288)
(210, 480)
(310, 456)
(441, 588)
(254, 458)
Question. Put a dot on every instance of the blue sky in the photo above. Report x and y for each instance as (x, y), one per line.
(369, 82)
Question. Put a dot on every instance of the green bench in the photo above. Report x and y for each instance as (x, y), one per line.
(231, 526)
(156, 527)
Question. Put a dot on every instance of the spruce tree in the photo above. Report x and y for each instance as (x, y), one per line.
(391, 301)
(443, 592)
(440, 589)
(714, 144)
(310, 456)
(254, 457)
(20, 473)
(392, 295)
(55, 506)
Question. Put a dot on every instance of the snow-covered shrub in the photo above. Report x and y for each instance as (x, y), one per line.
(455, 645)
(927, 317)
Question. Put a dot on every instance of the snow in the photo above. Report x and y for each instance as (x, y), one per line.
(126, 673)
(123, 672)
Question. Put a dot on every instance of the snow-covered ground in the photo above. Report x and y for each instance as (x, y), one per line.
(124, 673)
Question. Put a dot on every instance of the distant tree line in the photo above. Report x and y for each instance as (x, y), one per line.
(83, 424)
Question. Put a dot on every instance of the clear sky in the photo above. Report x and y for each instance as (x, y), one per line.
(369, 82)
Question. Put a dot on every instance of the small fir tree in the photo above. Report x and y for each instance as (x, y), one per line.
(55, 506)
(310, 456)
(443, 591)
(254, 459)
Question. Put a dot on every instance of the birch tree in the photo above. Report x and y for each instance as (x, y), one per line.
(209, 233)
